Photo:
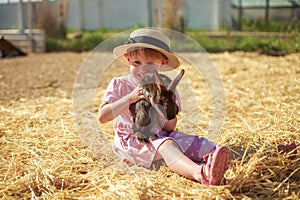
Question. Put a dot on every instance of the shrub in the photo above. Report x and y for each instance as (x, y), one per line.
(86, 43)
(53, 45)
(90, 40)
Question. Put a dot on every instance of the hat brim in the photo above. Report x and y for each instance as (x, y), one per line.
(173, 61)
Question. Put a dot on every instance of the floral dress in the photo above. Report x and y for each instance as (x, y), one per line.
(125, 144)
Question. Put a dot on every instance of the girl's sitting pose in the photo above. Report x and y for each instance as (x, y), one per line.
(191, 156)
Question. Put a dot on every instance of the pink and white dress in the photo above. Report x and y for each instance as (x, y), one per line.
(126, 145)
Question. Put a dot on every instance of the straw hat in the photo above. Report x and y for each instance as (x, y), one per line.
(149, 38)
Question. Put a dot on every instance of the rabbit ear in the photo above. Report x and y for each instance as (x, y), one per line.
(175, 82)
(159, 82)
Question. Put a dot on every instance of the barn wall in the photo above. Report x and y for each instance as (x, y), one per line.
(94, 14)
(210, 15)
(124, 14)
(9, 16)
(12, 18)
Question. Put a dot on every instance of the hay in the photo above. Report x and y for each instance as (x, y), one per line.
(42, 155)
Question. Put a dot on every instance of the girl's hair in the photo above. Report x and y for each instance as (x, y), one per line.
(148, 52)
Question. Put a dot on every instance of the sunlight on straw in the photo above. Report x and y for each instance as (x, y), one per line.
(43, 157)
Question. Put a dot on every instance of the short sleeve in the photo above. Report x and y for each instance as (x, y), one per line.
(113, 91)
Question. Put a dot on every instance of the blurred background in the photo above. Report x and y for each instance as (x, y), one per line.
(218, 25)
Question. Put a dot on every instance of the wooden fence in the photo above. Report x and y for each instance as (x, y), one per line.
(26, 40)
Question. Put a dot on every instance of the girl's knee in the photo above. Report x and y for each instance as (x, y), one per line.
(169, 148)
(168, 144)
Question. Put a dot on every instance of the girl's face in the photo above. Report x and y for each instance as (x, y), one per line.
(140, 64)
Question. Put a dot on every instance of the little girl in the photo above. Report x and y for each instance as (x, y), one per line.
(145, 51)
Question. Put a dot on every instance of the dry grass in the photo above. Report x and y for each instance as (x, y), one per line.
(43, 157)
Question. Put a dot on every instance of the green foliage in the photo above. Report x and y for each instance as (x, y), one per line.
(53, 45)
(250, 43)
(90, 40)
(86, 43)
(270, 26)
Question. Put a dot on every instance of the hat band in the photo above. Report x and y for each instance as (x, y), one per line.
(148, 40)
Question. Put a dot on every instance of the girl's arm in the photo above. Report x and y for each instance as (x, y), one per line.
(167, 125)
(108, 111)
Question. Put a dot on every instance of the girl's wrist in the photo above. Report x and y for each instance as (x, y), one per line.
(129, 99)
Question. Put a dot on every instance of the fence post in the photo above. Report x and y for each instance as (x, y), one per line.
(30, 46)
(150, 16)
(21, 21)
(267, 12)
(240, 15)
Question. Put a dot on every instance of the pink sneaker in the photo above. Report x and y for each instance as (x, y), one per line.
(216, 163)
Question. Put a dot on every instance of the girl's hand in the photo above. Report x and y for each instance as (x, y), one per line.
(170, 125)
(108, 111)
(136, 95)
(167, 125)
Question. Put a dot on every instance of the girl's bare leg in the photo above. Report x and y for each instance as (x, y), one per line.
(178, 162)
